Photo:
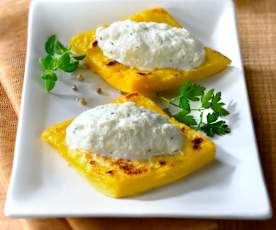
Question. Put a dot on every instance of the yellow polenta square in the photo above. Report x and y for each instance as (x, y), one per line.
(122, 178)
(128, 79)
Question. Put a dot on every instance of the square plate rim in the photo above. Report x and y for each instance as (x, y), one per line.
(266, 214)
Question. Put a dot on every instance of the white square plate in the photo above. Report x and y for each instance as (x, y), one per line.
(43, 184)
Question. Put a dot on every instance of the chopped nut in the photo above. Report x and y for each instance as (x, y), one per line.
(75, 87)
(79, 77)
(82, 101)
(99, 91)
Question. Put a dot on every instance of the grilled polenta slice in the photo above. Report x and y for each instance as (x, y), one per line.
(128, 79)
(122, 178)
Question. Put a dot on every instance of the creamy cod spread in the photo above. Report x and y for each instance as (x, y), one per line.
(124, 131)
(149, 45)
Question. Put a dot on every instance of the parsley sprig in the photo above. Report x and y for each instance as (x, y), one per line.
(58, 57)
(210, 111)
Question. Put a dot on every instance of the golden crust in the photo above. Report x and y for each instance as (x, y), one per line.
(121, 178)
(128, 79)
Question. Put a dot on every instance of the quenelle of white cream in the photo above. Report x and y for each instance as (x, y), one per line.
(149, 45)
(124, 131)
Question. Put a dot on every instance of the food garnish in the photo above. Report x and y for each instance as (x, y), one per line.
(58, 57)
(75, 87)
(82, 101)
(126, 177)
(211, 109)
(124, 78)
(80, 77)
(99, 90)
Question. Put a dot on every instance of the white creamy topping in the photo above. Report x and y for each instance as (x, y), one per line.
(124, 131)
(150, 45)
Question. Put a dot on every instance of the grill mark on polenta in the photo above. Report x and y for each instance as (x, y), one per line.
(162, 163)
(111, 63)
(92, 162)
(94, 44)
(197, 142)
(129, 168)
(142, 73)
(131, 95)
(55, 136)
(111, 172)
(172, 165)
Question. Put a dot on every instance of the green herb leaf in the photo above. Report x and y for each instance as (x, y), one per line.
(206, 99)
(65, 64)
(48, 62)
(217, 128)
(64, 60)
(184, 118)
(191, 91)
(49, 84)
(71, 67)
(209, 101)
(184, 88)
(79, 58)
(59, 48)
(216, 98)
(58, 57)
(212, 117)
(50, 44)
(184, 104)
(218, 108)
(49, 75)
(53, 46)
